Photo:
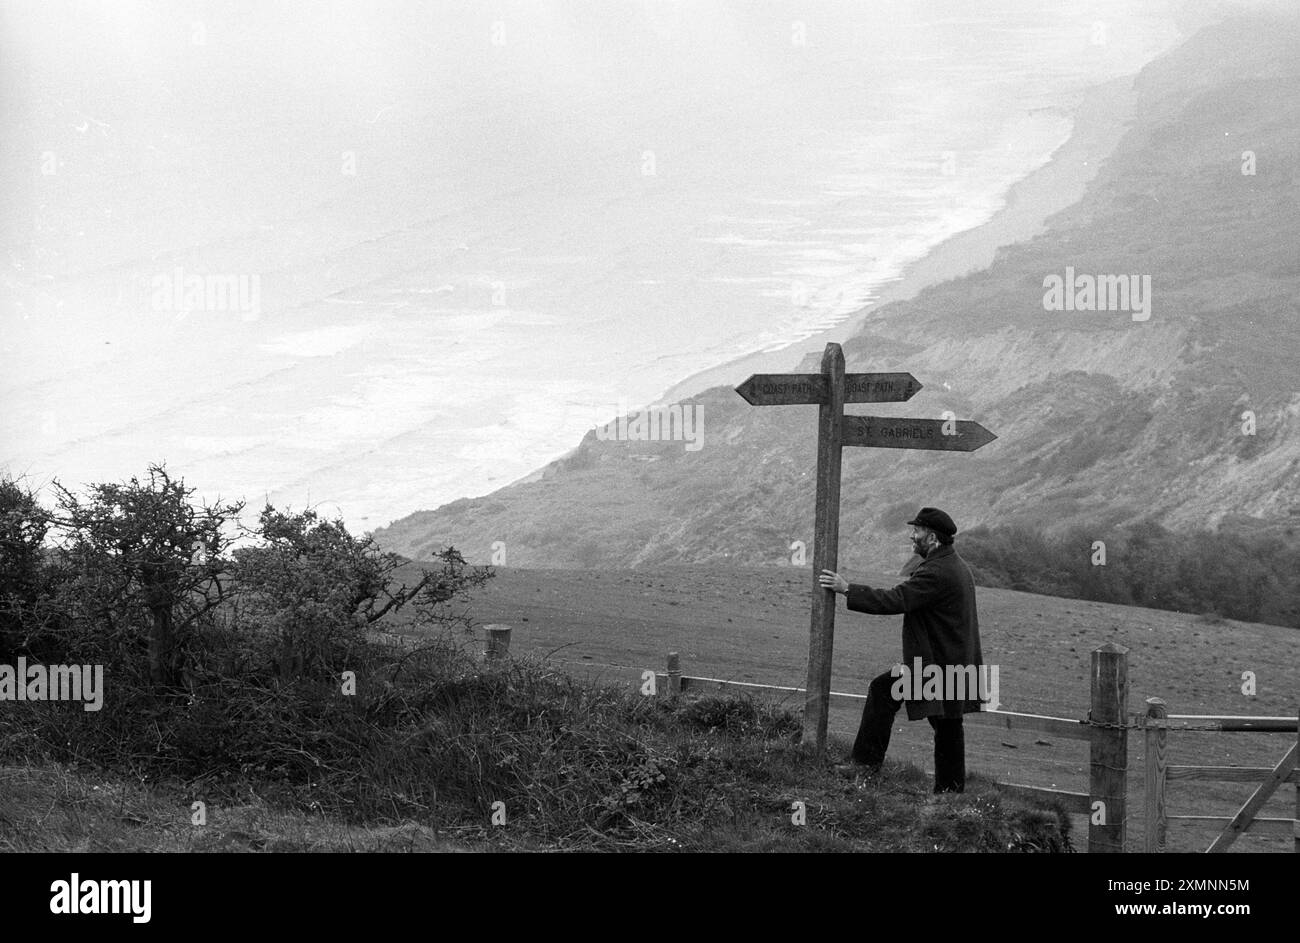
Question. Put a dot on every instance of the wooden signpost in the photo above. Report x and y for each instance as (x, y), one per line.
(830, 390)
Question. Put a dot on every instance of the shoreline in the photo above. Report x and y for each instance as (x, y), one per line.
(1101, 117)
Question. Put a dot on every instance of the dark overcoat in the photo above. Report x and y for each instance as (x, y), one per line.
(940, 625)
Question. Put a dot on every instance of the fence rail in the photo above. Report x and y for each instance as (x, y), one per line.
(1227, 774)
(1079, 803)
(1059, 726)
(1222, 724)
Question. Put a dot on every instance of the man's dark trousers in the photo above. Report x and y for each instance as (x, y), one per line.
(878, 721)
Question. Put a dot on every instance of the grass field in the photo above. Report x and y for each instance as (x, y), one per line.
(751, 624)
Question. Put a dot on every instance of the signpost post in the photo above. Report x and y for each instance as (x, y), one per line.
(830, 390)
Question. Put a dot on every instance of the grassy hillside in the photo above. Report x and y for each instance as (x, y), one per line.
(751, 624)
(519, 757)
(581, 760)
(1102, 420)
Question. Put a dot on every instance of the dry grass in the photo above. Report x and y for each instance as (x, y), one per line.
(51, 808)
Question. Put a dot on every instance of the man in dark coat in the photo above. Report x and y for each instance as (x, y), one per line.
(941, 643)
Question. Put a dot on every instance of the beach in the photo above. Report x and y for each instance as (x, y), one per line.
(1099, 121)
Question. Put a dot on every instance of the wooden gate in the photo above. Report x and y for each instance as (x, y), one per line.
(1158, 722)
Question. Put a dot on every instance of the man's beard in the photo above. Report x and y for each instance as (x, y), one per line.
(920, 548)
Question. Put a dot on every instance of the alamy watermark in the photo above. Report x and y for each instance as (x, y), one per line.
(26, 682)
(924, 682)
(182, 293)
(1098, 293)
(81, 896)
(676, 422)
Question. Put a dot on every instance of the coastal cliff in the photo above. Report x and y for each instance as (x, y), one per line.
(1183, 414)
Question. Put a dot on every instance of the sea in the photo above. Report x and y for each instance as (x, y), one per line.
(372, 258)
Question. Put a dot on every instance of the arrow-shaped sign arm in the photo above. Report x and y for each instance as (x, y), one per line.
(883, 432)
(794, 389)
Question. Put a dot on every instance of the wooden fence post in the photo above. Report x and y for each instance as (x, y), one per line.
(1155, 823)
(1108, 754)
(674, 674)
(498, 641)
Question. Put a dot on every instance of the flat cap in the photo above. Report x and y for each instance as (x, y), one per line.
(934, 519)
